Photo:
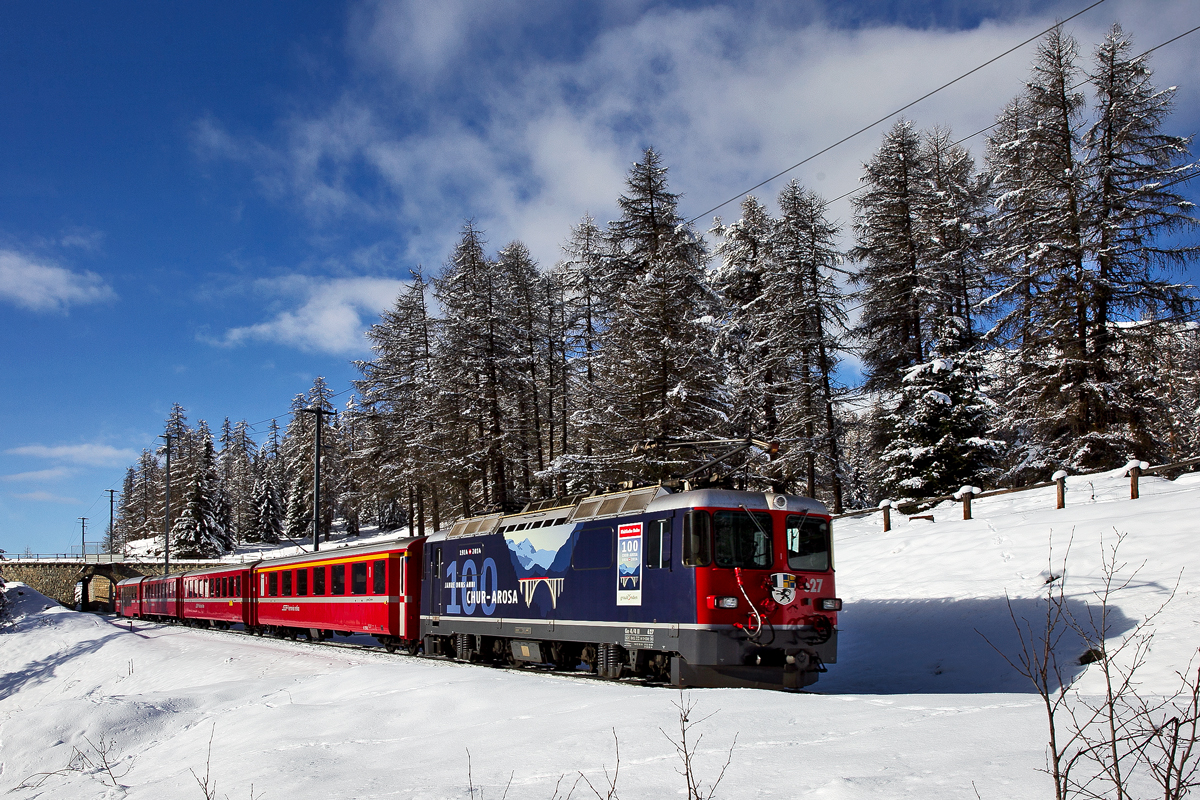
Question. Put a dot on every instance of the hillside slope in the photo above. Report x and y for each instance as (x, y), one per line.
(919, 704)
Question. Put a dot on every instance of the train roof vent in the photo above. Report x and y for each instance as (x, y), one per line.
(587, 508)
(611, 505)
(552, 502)
(476, 526)
(637, 501)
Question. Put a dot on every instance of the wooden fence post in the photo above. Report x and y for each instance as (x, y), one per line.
(1060, 478)
(886, 507)
(1134, 469)
(964, 495)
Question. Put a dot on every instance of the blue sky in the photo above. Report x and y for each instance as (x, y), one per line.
(207, 203)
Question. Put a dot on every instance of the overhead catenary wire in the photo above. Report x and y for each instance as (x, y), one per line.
(254, 425)
(891, 114)
(987, 128)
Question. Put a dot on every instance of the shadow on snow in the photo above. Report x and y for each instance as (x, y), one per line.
(945, 646)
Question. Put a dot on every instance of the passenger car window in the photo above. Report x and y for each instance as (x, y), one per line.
(302, 582)
(273, 584)
(358, 577)
(807, 543)
(318, 581)
(379, 575)
(337, 579)
(287, 583)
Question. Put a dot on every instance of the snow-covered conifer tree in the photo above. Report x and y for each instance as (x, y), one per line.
(268, 515)
(660, 376)
(939, 429)
(896, 313)
(1084, 213)
(806, 316)
(297, 523)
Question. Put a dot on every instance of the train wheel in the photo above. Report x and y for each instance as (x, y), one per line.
(390, 646)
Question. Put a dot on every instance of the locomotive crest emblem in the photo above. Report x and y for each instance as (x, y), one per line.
(783, 588)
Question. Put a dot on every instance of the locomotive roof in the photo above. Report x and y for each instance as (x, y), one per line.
(729, 498)
(645, 500)
(341, 552)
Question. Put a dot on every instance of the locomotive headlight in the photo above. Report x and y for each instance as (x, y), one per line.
(830, 604)
(722, 602)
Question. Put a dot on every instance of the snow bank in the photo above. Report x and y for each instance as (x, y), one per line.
(920, 704)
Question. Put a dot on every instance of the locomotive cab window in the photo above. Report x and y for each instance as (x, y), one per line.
(742, 540)
(697, 539)
(358, 577)
(807, 543)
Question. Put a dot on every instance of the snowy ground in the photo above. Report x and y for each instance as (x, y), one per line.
(919, 705)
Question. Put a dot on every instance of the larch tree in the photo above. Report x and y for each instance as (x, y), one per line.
(660, 376)
(588, 298)
(807, 321)
(891, 246)
(1082, 230)
(1134, 213)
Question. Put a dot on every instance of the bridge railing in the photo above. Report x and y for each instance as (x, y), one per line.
(106, 559)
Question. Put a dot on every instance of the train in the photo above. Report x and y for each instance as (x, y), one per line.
(706, 587)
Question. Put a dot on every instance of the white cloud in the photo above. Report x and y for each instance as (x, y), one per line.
(94, 455)
(82, 238)
(38, 475)
(46, 287)
(329, 317)
(47, 497)
(525, 144)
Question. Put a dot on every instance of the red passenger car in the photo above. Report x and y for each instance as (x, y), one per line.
(373, 589)
(129, 597)
(162, 597)
(219, 596)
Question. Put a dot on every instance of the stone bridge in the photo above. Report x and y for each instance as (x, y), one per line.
(56, 578)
